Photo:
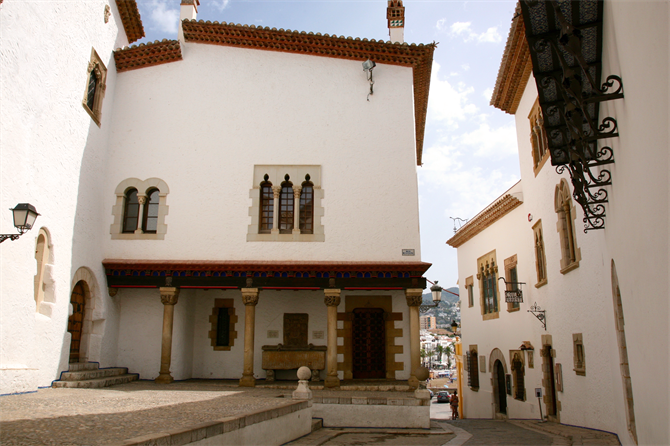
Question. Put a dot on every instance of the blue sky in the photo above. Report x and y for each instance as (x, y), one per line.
(470, 155)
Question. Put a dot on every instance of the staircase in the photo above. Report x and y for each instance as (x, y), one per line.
(87, 375)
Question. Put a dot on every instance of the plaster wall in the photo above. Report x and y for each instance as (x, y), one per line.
(201, 125)
(52, 154)
(636, 40)
(373, 416)
(183, 334)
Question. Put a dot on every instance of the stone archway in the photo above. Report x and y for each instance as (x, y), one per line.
(92, 324)
(498, 371)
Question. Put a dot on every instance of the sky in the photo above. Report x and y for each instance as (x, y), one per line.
(470, 150)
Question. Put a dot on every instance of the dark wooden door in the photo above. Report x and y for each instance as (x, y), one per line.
(369, 343)
(551, 390)
(502, 391)
(75, 322)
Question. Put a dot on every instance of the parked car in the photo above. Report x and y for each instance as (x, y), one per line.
(443, 397)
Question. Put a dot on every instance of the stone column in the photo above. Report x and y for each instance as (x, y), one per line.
(169, 296)
(414, 299)
(141, 199)
(332, 301)
(296, 209)
(276, 191)
(250, 299)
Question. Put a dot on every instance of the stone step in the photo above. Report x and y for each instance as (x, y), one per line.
(317, 423)
(98, 382)
(93, 374)
(77, 366)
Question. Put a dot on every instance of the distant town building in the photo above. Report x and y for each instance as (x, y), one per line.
(428, 322)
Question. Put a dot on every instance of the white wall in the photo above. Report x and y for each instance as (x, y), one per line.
(201, 125)
(52, 154)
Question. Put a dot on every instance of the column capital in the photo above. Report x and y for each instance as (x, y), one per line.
(141, 199)
(276, 190)
(296, 191)
(250, 296)
(169, 295)
(332, 297)
(414, 296)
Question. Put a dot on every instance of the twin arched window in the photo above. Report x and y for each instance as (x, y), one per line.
(142, 208)
(287, 195)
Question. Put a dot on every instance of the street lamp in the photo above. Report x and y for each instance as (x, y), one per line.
(436, 291)
(24, 218)
(454, 326)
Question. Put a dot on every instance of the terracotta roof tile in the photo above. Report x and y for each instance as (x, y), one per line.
(484, 219)
(147, 55)
(130, 16)
(419, 57)
(515, 68)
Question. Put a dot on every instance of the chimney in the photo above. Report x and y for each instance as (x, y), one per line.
(189, 10)
(395, 13)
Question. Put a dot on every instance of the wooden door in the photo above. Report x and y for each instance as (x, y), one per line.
(369, 343)
(502, 390)
(75, 322)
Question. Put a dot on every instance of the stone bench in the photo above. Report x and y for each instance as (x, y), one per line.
(280, 357)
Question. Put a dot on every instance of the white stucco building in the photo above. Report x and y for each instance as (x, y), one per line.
(593, 371)
(205, 197)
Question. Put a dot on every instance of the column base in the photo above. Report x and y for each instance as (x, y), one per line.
(247, 381)
(413, 382)
(332, 381)
(164, 378)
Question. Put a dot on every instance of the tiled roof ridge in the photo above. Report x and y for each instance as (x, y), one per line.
(419, 57)
(130, 17)
(515, 67)
(484, 219)
(147, 54)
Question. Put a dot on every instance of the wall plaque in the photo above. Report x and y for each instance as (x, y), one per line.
(295, 329)
(273, 334)
(317, 334)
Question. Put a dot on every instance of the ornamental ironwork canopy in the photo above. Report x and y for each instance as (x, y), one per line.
(565, 42)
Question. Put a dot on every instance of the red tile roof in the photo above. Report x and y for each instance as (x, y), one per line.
(130, 16)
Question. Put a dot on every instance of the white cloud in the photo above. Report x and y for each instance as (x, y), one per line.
(220, 4)
(487, 94)
(440, 25)
(491, 143)
(446, 103)
(464, 30)
(163, 18)
(465, 67)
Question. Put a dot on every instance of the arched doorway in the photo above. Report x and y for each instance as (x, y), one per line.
(368, 343)
(75, 322)
(500, 392)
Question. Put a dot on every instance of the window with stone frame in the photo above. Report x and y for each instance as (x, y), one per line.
(289, 212)
(140, 210)
(150, 223)
(570, 253)
(96, 83)
(512, 279)
(223, 320)
(473, 368)
(469, 286)
(578, 354)
(540, 257)
(538, 137)
(518, 373)
(131, 211)
(487, 275)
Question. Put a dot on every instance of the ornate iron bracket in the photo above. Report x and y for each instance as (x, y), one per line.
(11, 237)
(540, 314)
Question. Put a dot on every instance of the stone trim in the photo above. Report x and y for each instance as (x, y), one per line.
(147, 55)
(470, 291)
(275, 174)
(515, 68)
(44, 284)
(130, 17)
(484, 219)
(511, 263)
(488, 264)
(116, 229)
(95, 65)
(578, 354)
(540, 254)
(223, 305)
(538, 141)
(419, 57)
(93, 314)
(518, 394)
(565, 226)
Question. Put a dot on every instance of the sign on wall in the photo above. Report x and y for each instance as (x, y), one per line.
(514, 296)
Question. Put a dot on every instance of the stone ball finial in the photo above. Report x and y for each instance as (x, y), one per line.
(304, 373)
(421, 373)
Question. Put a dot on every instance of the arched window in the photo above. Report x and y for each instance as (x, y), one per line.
(42, 258)
(307, 207)
(286, 201)
(150, 222)
(95, 87)
(92, 84)
(266, 208)
(131, 212)
(538, 137)
(565, 226)
(518, 372)
(540, 258)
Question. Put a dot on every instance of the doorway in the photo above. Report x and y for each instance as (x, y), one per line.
(368, 343)
(500, 391)
(76, 321)
(550, 382)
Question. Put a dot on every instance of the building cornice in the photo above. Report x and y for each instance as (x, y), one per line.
(147, 55)
(515, 68)
(486, 218)
(418, 57)
(130, 17)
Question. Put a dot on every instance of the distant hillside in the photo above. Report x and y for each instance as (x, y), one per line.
(447, 310)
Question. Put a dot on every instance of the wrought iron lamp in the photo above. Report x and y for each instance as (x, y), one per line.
(368, 66)
(540, 314)
(24, 219)
(454, 327)
(436, 291)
